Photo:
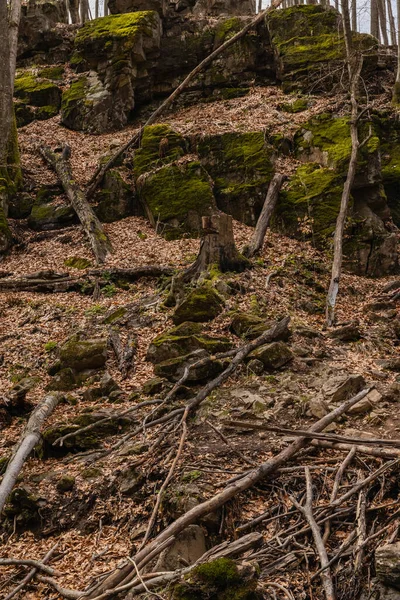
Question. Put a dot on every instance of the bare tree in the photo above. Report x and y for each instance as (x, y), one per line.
(383, 21)
(396, 89)
(354, 64)
(74, 10)
(392, 25)
(354, 15)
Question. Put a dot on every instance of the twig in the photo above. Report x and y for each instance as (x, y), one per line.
(307, 511)
(28, 562)
(361, 530)
(335, 488)
(66, 592)
(142, 580)
(31, 574)
(343, 547)
(280, 587)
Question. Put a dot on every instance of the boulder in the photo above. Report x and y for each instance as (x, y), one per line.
(241, 167)
(116, 198)
(368, 403)
(273, 356)
(49, 212)
(65, 484)
(37, 96)
(387, 564)
(80, 353)
(183, 339)
(63, 381)
(24, 506)
(250, 326)
(116, 52)
(346, 333)
(186, 549)
(174, 368)
(341, 387)
(130, 480)
(201, 304)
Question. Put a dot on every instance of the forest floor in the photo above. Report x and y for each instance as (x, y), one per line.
(96, 524)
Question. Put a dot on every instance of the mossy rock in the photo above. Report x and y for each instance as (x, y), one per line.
(307, 41)
(115, 315)
(153, 386)
(273, 356)
(65, 483)
(115, 199)
(80, 354)
(183, 339)
(298, 105)
(54, 73)
(76, 262)
(173, 368)
(36, 91)
(178, 196)
(23, 506)
(46, 213)
(20, 206)
(250, 326)
(241, 167)
(216, 580)
(63, 381)
(160, 145)
(202, 304)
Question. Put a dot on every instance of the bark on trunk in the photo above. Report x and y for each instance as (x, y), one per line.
(392, 25)
(375, 19)
(28, 441)
(99, 173)
(354, 67)
(383, 21)
(99, 242)
(15, 17)
(217, 248)
(74, 10)
(354, 15)
(396, 90)
(263, 221)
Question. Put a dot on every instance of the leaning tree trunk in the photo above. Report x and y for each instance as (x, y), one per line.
(265, 216)
(217, 248)
(100, 244)
(29, 439)
(354, 67)
(396, 89)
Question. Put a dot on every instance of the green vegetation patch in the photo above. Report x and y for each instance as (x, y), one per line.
(36, 91)
(55, 73)
(160, 145)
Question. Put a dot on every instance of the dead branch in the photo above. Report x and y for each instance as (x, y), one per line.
(263, 220)
(31, 573)
(29, 438)
(335, 488)
(361, 530)
(66, 592)
(102, 169)
(125, 574)
(307, 511)
(377, 452)
(227, 442)
(28, 562)
(343, 547)
(98, 239)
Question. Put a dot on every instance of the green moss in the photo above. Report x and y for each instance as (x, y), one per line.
(73, 95)
(228, 29)
(116, 27)
(313, 195)
(36, 91)
(77, 262)
(50, 346)
(175, 190)
(297, 106)
(230, 93)
(148, 157)
(55, 73)
(115, 315)
(200, 305)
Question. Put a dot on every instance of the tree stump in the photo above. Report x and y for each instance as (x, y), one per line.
(217, 248)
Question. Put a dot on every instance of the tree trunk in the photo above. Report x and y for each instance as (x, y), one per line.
(354, 67)
(217, 248)
(84, 7)
(354, 15)
(375, 19)
(74, 10)
(99, 173)
(392, 25)
(105, 8)
(383, 21)
(96, 9)
(27, 442)
(99, 242)
(263, 221)
(396, 90)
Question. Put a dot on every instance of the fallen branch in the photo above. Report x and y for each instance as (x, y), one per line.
(102, 169)
(307, 511)
(125, 574)
(29, 438)
(377, 452)
(335, 488)
(31, 573)
(66, 592)
(263, 220)
(28, 562)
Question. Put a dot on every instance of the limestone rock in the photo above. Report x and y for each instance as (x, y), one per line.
(371, 400)
(346, 333)
(116, 199)
(49, 213)
(273, 356)
(65, 483)
(174, 368)
(188, 547)
(200, 305)
(250, 326)
(340, 388)
(37, 97)
(63, 381)
(387, 564)
(130, 481)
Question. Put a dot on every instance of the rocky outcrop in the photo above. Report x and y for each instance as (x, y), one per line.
(387, 564)
(38, 97)
(118, 51)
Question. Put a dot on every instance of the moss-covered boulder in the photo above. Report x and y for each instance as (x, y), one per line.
(173, 368)
(250, 326)
(63, 381)
(81, 353)
(117, 52)
(183, 339)
(160, 145)
(241, 167)
(200, 305)
(178, 195)
(65, 484)
(23, 506)
(273, 356)
(115, 199)
(309, 47)
(38, 96)
(220, 579)
(50, 212)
